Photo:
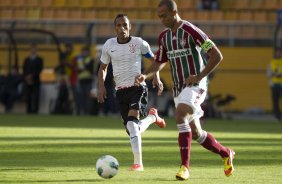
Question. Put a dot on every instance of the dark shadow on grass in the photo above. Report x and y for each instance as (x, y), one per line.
(94, 122)
(144, 138)
(85, 155)
(51, 181)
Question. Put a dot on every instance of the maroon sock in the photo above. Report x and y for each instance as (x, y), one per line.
(211, 144)
(184, 141)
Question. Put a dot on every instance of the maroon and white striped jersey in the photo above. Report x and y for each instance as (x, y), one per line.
(183, 51)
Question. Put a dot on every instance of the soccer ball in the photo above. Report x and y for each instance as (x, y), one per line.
(107, 166)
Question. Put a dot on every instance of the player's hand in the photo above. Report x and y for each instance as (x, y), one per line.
(157, 82)
(192, 80)
(139, 79)
(102, 94)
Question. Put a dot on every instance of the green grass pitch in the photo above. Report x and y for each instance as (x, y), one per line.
(64, 149)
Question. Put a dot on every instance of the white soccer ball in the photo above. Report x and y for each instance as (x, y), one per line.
(107, 166)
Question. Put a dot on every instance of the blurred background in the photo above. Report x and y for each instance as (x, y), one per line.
(246, 31)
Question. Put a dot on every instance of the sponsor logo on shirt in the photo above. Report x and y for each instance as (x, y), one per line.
(178, 53)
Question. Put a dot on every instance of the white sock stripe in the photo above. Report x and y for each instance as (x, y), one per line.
(183, 127)
(202, 137)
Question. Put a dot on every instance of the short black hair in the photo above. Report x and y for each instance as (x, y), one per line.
(120, 15)
(169, 3)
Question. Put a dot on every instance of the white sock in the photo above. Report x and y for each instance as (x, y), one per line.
(136, 149)
(146, 122)
(135, 141)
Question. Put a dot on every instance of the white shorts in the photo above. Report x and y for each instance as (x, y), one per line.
(193, 97)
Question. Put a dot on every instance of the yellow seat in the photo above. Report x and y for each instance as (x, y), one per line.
(101, 3)
(203, 15)
(6, 3)
(75, 13)
(47, 13)
(87, 3)
(271, 16)
(35, 3)
(73, 3)
(245, 16)
(45, 4)
(7, 13)
(89, 14)
(226, 4)
(61, 13)
(217, 15)
(145, 14)
(242, 4)
(129, 4)
(257, 4)
(104, 14)
(154, 15)
(188, 15)
(144, 4)
(187, 4)
(17, 3)
(20, 13)
(33, 13)
(272, 5)
(230, 15)
(153, 4)
(132, 14)
(115, 4)
(115, 12)
(260, 16)
(59, 3)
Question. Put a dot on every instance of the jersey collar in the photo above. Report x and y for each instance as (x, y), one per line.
(125, 42)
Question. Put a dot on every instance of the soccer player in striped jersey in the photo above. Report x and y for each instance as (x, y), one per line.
(180, 44)
(125, 53)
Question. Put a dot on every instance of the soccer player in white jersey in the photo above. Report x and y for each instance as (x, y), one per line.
(125, 52)
(180, 44)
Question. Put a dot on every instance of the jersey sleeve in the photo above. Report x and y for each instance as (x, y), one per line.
(160, 55)
(105, 57)
(146, 50)
(202, 39)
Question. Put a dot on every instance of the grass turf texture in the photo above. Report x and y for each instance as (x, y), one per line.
(64, 149)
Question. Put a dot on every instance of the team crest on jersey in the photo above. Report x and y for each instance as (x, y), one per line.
(132, 48)
(182, 42)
